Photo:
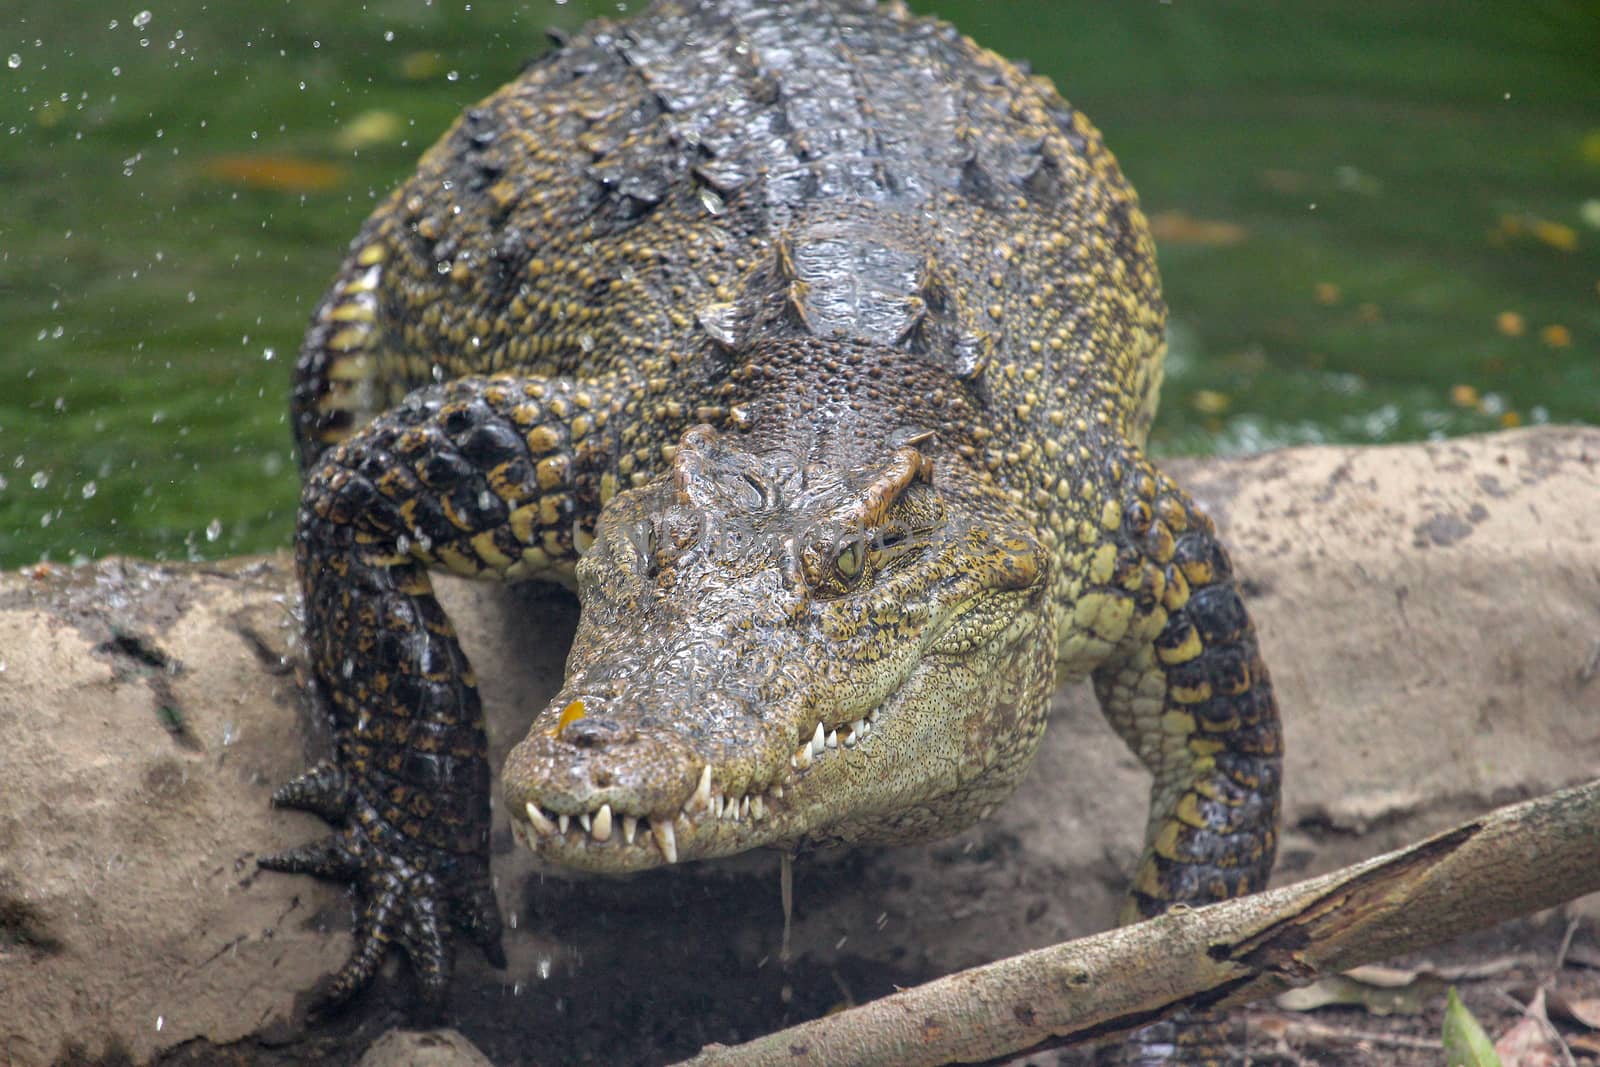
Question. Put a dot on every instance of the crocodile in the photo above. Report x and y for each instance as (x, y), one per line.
(816, 347)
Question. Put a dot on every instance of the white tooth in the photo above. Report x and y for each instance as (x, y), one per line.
(872, 716)
(818, 739)
(537, 820)
(757, 808)
(802, 759)
(849, 740)
(563, 821)
(744, 807)
(666, 838)
(833, 739)
(585, 822)
(602, 823)
(777, 792)
(630, 827)
(730, 808)
(702, 792)
(858, 729)
(794, 764)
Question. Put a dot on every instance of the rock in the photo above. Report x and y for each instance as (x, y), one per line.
(1431, 614)
(423, 1048)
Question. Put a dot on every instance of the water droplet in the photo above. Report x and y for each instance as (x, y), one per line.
(89, 490)
(141, 20)
(13, 61)
(453, 76)
(388, 35)
(711, 201)
(268, 353)
(39, 480)
(213, 529)
(544, 966)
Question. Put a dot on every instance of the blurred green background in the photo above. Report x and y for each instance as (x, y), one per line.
(1378, 222)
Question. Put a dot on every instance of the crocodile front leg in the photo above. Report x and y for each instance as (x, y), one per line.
(489, 477)
(1184, 685)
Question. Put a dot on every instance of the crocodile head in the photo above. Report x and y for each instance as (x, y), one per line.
(778, 650)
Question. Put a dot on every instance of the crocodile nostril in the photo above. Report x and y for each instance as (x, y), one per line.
(602, 779)
(591, 732)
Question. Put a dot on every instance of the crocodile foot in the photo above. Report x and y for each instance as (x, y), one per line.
(410, 890)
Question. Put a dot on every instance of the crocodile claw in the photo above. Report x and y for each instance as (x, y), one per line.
(410, 891)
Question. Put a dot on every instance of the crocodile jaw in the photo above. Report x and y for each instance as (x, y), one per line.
(946, 745)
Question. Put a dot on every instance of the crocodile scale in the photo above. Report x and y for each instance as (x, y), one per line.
(816, 347)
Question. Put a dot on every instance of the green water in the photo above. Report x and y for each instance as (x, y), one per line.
(1360, 203)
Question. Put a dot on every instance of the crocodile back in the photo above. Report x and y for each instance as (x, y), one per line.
(658, 199)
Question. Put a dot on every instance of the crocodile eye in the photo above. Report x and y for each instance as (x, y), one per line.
(848, 560)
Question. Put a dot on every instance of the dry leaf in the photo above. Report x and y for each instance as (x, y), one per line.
(1584, 1011)
(1380, 990)
(1527, 1044)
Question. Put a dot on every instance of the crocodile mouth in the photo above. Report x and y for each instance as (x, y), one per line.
(717, 819)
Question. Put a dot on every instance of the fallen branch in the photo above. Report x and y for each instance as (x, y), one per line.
(1511, 862)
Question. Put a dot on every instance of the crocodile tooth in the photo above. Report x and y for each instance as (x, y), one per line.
(849, 739)
(585, 822)
(666, 838)
(630, 826)
(537, 820)
(602, 823)
(777, 792)
(802, 759)
(744, 807)
(818, 739)
(757, 808)
(702, 792)
(563, 821)
(833, 739)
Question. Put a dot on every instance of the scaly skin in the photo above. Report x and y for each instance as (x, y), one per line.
(817, 346)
